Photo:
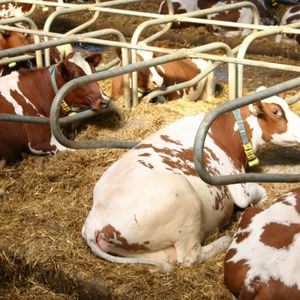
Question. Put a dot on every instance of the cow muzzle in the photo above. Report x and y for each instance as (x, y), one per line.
(100, 103)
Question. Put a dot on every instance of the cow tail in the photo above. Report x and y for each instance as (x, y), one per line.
(167, 267)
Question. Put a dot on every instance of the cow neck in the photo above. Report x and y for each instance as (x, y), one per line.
(64, 105)
(252, 160)
(226, 135)
(36, 86)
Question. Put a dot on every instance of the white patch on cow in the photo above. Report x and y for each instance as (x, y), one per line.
(282, 263)
(187, 5)
(59, 147)
(245, 16)
(8, 84)
(11, 11)
(37, 151)
(78, 60)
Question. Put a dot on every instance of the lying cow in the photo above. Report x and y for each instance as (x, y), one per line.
(263, 260)
(168, 74)
(291, 16)
(151, 207)
(31, 92)
(13, 39)
(242, 15)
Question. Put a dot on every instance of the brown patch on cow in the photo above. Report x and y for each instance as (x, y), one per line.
(270, 122)
(239, 237)
(147, 165)
(224, 135)
(247, 216)
(234, 273)
(176, 159)
(295, 9)
(146, 242)
(279, 235)
(168, 140)
(144, 154)
(270, 290)
(111, 235)
(143, 146)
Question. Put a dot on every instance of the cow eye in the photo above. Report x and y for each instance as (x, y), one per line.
(275, 112)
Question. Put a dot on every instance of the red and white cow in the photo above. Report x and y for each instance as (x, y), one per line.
(168, 74)
(263, 261)
(31, 92)
(13, 39)
(151, 207)
(291, 16)
(242, 15)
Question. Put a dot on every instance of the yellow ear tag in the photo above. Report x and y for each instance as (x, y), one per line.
(12, 64)
(252, 159)
(45, 8)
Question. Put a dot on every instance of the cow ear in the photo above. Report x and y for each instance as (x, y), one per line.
(256, 109)
(63, 71)
(94, 59)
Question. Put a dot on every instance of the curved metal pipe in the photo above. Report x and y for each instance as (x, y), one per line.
(226, 107)
(65, 89)
(173, 18)
(256, 35)
(32, 26)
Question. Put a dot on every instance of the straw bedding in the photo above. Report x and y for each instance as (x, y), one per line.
(45, 200)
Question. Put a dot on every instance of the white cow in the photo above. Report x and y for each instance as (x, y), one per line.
(151, 207)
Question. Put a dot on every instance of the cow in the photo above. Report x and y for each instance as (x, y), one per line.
(151, 207)
(13, 39)
(31, 92)
(263, 260)
(242, 15)
(168, 74)
(291, 16)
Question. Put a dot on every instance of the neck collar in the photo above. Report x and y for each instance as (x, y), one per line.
(252, 159)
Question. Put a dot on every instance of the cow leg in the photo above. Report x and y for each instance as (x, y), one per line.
(214, 248)
(247, 193)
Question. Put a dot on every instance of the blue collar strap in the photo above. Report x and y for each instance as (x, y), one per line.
(251, 157)
(63, 104)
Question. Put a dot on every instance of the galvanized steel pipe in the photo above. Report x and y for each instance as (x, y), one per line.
(227, 107)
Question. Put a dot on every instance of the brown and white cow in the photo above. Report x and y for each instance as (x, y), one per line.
(13, 39)
(242, 15)
(31, 92)
(263, 261)
(168, 74)
(151, 207)
(291, 16)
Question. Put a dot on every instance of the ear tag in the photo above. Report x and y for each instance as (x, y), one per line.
(12, 64)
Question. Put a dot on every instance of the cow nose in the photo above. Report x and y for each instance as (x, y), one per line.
(105, 102)
(100, 103)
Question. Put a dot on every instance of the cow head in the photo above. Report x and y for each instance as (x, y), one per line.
(11, 39)
(275, 123)
(89, 95)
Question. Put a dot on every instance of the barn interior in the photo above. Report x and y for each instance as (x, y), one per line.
(45, 199)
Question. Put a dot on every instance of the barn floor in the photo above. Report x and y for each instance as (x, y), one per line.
(45, 200)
